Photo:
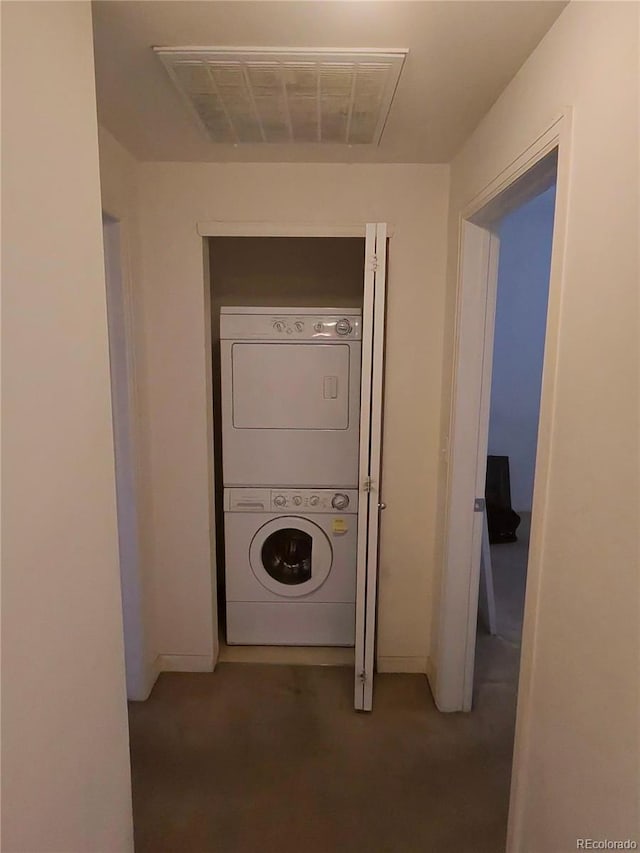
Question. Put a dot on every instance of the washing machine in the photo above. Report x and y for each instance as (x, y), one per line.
(290, 566)
(290, 396)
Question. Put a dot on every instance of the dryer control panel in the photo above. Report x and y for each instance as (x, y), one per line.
(291, 327)
(291, 501)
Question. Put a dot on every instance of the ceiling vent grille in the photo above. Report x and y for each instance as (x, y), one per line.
(286, 96)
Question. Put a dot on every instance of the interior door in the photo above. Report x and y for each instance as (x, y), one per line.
(370, 500)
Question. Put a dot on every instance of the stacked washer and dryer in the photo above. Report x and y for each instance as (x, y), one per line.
(290, 434)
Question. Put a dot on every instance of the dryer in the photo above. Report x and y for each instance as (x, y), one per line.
(290, 396)
(290, 566)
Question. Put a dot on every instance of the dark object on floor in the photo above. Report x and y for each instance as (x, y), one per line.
(502, 521)
(502, 524)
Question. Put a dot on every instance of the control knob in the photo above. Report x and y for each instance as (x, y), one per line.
(343, 327)
(314, 500)
(280, 500)
(299, 326)
(340, 501)
(278, 326)
(297, 500)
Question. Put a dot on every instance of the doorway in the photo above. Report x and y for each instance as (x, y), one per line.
(259, 280)
(525, 237)
(543, 163)
(273, 271)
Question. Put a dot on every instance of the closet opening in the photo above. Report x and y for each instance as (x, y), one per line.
(281, 553)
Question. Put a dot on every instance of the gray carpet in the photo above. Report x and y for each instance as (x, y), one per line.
(272, 759)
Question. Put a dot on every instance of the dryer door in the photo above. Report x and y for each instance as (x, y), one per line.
(291, 556)
(290, 386)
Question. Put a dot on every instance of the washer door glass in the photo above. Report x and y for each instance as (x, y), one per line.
(291, 556)
(286, 555)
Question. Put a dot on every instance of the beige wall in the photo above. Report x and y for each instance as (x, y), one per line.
(173, 198)
(65, 761)
(304, 271)
(576, 771)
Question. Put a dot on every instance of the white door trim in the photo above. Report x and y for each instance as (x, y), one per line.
(220, 228)
(211, 490)
(563, 137)
(215, 228)
(557, 131)
(451, 678)
(469, 413)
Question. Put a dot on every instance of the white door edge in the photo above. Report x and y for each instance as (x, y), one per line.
(492, 248)
(370, 461)
(363, 468)
(375, 490)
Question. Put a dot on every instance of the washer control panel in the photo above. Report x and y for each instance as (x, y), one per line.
(291, 501)
(314, 500)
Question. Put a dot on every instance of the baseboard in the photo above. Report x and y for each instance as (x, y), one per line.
(430, 668)
(152, 673)
(143, 685)
(291, 655)
(432, 677)
(432, 673)
(392, 663)
(185, 663)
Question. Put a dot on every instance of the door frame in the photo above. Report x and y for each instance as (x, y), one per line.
(225, 228)
(240, 228)
(452, 673)
(140, 675)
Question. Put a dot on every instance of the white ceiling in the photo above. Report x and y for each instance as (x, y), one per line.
(461, 56)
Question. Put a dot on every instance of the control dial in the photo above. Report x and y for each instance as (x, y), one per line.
(299, 326)
(280, 500)
(343, 327)
(340, 501)
(314, 500)
(297, 500)
(278, 326)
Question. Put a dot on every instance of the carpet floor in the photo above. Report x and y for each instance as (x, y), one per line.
(272, 758)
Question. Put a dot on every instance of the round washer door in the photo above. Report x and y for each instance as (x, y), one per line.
(291, 556)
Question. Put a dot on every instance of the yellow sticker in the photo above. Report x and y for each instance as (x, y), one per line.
(339, 525)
